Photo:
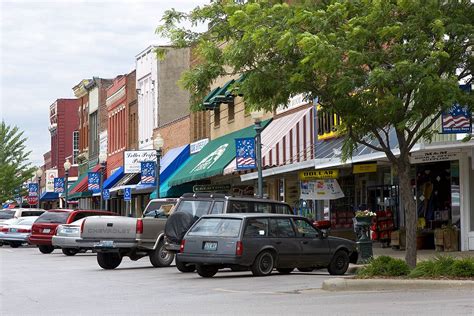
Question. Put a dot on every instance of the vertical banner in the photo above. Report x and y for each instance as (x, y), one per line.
(33, 189)
(127, 194)
(245, 153)
(458, 119)
(148, 171)
(93, 182)
(59, 185)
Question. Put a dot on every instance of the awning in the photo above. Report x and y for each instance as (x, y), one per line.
(49, 196)
(286, 140)
(81, 184)
(79, 195)
(213, 158)
(114, 178)
(173, 159)
(176, 191)
(128, 180)
(221, 94)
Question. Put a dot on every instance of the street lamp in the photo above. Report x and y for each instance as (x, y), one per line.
(257, 118)
(67, 166)
(39, 174)
(158, 143)
(103, 162)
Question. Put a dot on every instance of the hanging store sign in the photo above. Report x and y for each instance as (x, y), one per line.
(50, 175)
(148, 172)
(93, 182)
(245, 153)
(364, 168)
(325, 189)
(433, 156)
(132, 159)
(198, 145)
(319, 174)
(211, 188)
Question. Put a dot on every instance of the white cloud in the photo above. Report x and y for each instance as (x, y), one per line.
(47, 47)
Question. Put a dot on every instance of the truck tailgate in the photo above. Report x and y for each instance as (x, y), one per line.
(109, 228)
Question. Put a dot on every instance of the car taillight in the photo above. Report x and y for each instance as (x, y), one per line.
(82, 226)
(139, 226)
(24, 230)
(181, 247)
(239, 248)
(4, 230)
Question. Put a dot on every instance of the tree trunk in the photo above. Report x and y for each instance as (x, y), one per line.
(409, 207)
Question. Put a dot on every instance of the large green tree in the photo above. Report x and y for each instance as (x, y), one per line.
(380, 64)
(15, 168)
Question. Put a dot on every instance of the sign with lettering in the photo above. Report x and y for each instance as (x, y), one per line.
(211, 188)
(433, 156)
(294, 102)
(319, 174)
(132, 159)
(325, 189)
(198, 145)
(50, 175)
(364, 168)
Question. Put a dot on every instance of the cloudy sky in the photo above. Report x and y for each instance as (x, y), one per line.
(47, 47)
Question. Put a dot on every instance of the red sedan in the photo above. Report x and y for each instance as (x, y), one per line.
(45, 226)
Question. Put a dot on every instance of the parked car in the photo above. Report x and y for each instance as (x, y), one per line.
(5, 224)
(19, 212)
(45, 226)
(192, 206)
(116, 237)
(262, 242)
(17, 232)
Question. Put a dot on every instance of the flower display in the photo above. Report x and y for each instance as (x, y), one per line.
(365, 213)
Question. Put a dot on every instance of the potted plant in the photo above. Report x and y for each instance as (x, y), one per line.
(364, 217)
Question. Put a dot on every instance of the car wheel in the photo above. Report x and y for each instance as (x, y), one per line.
(69, 251)
(183, 267)
(305, 269)
(108, 260)
(15, 244)
(160, 257)
(339, 263)
(263, 264)
(285, 270)
(46, 249)
(206, 271)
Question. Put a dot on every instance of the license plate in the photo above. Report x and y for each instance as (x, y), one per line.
(13, 230)
(105, 244)
(46, 230)
(210, 245)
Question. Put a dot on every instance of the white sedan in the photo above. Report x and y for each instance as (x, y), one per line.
(16, 231)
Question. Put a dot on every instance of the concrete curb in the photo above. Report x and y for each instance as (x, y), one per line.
(340, 284)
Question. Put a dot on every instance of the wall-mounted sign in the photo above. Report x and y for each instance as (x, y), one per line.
(50, 175)
(132, 159)
(198, 145)
(319, 174)
(433, 156)
(294, 102)
(103, 143)
(364, 168)
(325, 189)
(211, 188)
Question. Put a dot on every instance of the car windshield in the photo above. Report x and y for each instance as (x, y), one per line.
(27, 221)
(217, 227)
(195, 207)
(6, 214)
(53, 217)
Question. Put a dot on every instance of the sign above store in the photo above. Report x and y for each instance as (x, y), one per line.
(326, 189)
(211, 188)
(433, 156)
(319, 174)
(132, 159)
(364, 168)
(198, 145)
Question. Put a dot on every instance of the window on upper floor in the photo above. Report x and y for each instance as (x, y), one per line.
(217, 117)
(327, 125)
(75, 146)
(231, 111)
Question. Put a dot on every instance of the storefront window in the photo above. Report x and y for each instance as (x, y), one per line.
(455, 194)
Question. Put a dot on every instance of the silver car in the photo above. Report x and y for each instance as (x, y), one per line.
(17, 231)
(262, 242)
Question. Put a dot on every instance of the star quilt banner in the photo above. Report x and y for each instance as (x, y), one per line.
(148, 172)
(59, 185)
(93, 182)
(245, 153)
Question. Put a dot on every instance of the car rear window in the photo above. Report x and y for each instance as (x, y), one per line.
(217, 227)
(155, 206)
(53, 217)
(196, 208)
(27, 221)
(6, 214)
(31, 213)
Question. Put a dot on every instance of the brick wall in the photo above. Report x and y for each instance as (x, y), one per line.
(67, 123)
(175, 134)
(132, 105)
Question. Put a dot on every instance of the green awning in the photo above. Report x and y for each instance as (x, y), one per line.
(206, 103)
(176, 191)
(76, 183)
(79, 195)
(213, 158)
(223, 95)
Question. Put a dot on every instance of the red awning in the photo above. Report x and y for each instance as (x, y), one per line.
(82, 186)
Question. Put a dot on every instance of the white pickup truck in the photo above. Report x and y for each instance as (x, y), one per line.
(114, 237)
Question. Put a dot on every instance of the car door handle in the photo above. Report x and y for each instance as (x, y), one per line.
(304, 242)
(278, 242)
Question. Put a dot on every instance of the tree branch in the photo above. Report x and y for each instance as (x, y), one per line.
(412, 142)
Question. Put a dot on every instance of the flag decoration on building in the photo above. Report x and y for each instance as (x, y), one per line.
(33, 189)
(59, 185)
(148, 172)
(457, 120)
(245, 153)
(93, 182)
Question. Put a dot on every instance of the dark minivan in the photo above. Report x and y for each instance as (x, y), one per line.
(192, 206)
(262, 242)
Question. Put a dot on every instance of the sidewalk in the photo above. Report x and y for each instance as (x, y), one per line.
(421, 254)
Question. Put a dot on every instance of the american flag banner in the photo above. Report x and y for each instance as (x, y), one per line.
(245, 153)
(33, 189)
(93, 182)
(457, 120)
(59, 185)
(148, 172)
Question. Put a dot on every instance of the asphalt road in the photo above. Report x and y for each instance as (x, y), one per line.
(35, 284)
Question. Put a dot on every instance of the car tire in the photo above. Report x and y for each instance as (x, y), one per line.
(70, 251)
(305, 269)
(184, 267)
(339, 263)
(206, 271)
(160, 257)
(263, 264)
(14, 244)
(46, 249)
(285, 270)
(108, 260)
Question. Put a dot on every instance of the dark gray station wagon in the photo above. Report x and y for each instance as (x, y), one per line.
(262, 242)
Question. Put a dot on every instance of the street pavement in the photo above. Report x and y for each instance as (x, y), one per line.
(35, 284)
